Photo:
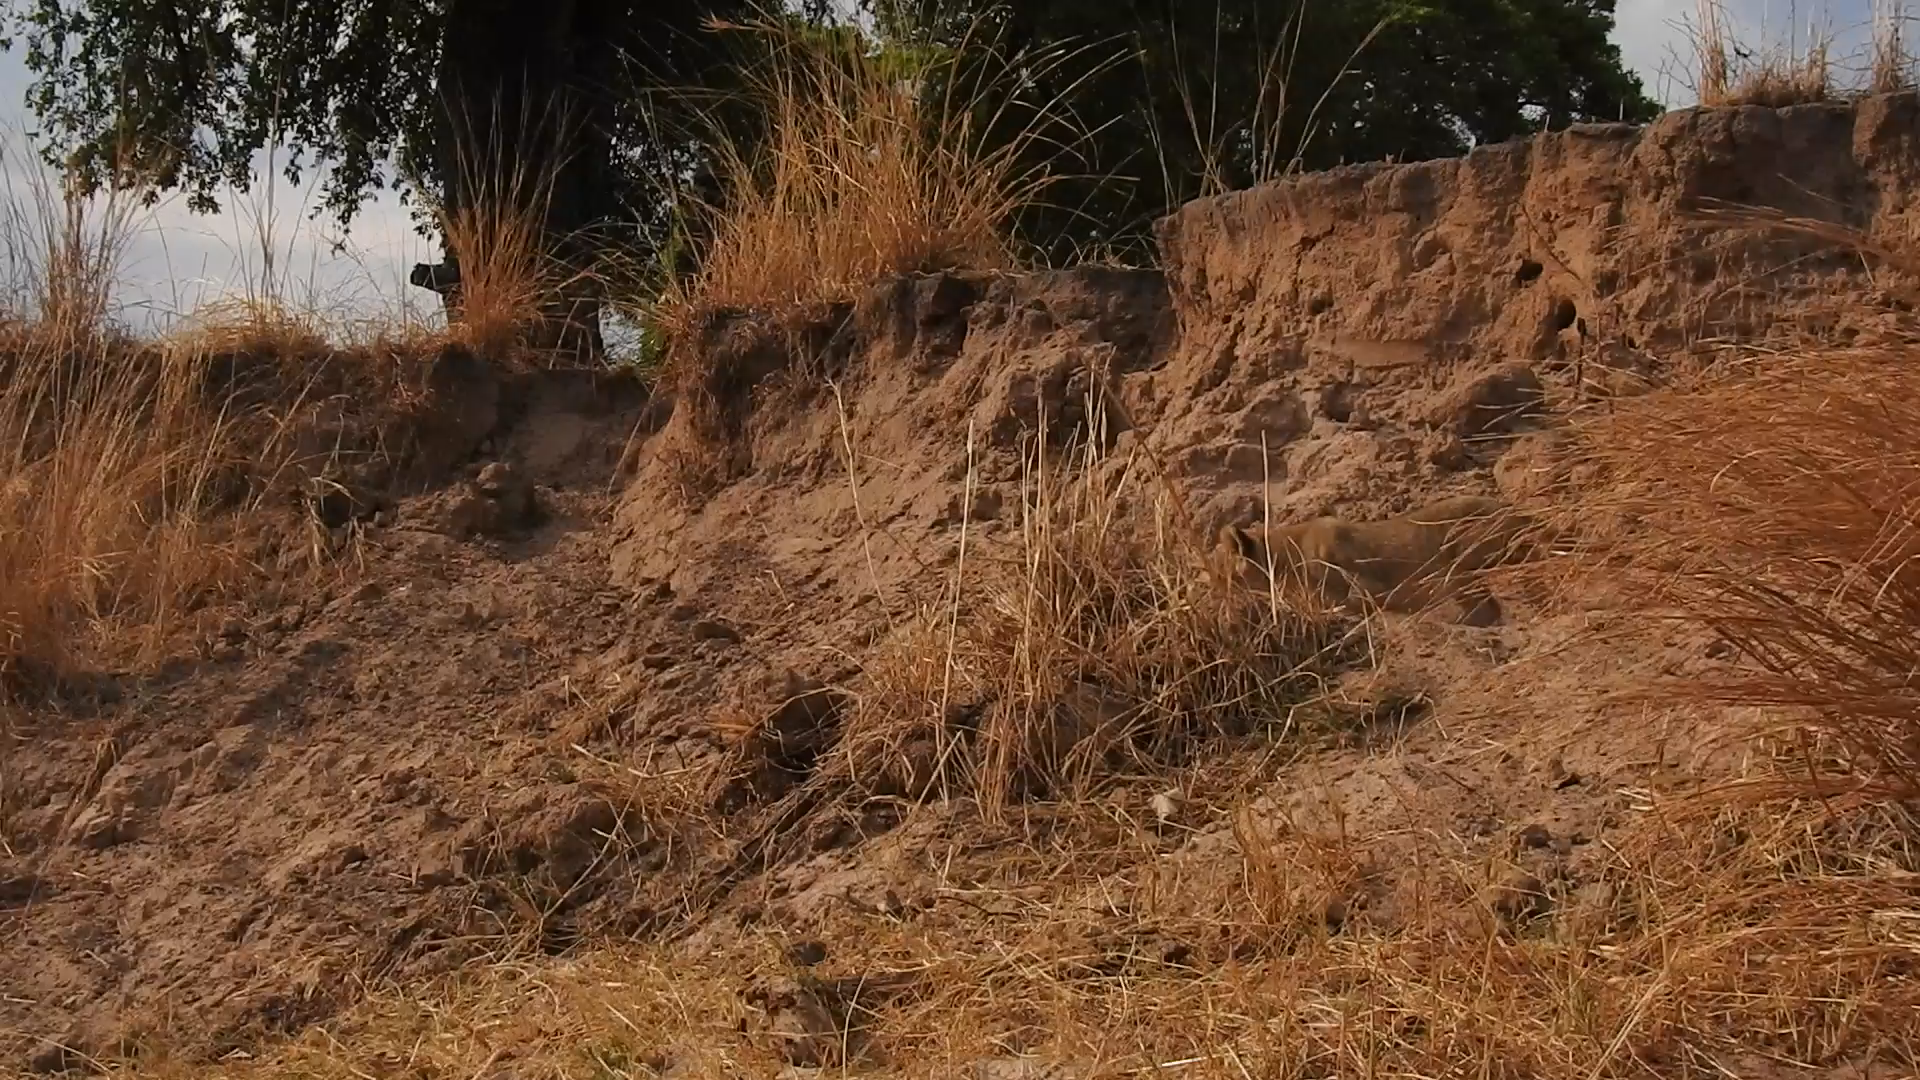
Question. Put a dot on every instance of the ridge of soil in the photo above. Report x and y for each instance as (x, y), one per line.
(515, 721)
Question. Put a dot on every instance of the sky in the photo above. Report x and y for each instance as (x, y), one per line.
(177, 260)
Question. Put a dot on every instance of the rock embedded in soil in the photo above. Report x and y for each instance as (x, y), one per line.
(1521, 898)
(56, 1055)
(499, 501)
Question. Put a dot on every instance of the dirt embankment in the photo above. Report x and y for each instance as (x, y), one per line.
(518, 720)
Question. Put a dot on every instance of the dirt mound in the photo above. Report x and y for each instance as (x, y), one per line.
(289, 805)
(589, 659)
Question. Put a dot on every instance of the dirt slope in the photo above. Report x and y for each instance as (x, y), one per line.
(512, 728)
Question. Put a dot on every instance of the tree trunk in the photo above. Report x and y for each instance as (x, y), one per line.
(524, 118)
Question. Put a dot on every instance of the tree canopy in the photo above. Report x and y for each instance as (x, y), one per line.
(1171, 99)
(1158, 100)
(184, 94)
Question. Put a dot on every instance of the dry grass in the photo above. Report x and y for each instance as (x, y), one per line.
(864, 165)
(126, 467)
(1779, 505)
(1774, 76)
(107, 455)
(858, 174)
(1736, 943)
(1890, 68)
(509, 276)
(1104, 638)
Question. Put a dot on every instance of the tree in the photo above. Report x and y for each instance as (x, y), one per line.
(454, 96)
(1171, 99)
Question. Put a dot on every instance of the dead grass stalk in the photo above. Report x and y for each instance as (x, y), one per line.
(1778, 504)
(1729, 72)
(1101, 638)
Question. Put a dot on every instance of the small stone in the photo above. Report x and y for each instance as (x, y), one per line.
(1491, 402)
(20, 889)
(683, 611)
(1336, 913)
(1166, 807)
(97, 828)
(496, 479)
(1449, 454)
(55, 1055)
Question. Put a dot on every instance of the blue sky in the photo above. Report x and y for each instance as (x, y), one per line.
(178, 259)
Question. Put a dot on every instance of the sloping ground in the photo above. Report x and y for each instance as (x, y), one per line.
(628, 727)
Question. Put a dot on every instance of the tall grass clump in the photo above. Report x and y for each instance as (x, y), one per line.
(1105, 637)
(1778, 505)
(108, 452)
(515, 286)
(863, 163)
(1773, 76)
(1890, 69)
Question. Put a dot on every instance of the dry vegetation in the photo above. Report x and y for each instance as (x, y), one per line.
(1105, 639)
(1799, 71)
(1800, 549)
(855, 175)
(1779, 503)
(142, 481)
(107, 450)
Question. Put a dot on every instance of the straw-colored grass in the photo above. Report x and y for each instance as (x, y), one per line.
(857, 172)
(1104, 638)
(125, 466)
(1890, 69)
(106, 455)
(1778, 504)
(1729, 72)
(1730, 943)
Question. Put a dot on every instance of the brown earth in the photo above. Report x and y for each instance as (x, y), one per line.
(582, 679)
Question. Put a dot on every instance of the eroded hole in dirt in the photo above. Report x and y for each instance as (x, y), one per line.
(781, 750)
(1565, 314)
(1528, 272)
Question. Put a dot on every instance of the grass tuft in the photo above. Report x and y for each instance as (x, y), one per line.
(1778, 505)
(867, 164)
(1773, 76)
(1102, 639)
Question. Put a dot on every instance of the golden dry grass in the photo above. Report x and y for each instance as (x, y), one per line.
(1890, 68)
(1771, 944)
(1104, 637)
(107, 454)
(1101, 641)
(1730, 72)
(857, 173)
(1778, 504)
(127, 467)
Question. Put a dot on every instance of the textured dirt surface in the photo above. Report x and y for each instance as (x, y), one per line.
(491, 729)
